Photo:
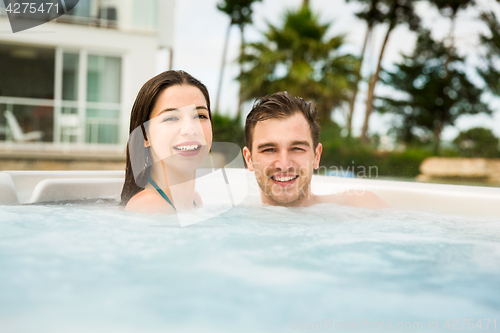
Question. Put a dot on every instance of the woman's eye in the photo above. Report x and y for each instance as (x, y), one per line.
(201, 116)
(169, 119)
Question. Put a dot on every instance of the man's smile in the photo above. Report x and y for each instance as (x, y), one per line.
(284, 180)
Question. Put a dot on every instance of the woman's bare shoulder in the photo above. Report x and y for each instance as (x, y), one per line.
(197, 199)
(149, 201)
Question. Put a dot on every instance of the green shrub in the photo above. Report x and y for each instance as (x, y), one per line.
(227, 129)
(477, 142)
(351, 154)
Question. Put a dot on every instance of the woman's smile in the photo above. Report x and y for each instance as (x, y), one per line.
(188, 148)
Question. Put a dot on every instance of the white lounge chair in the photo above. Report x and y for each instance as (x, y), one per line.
(17, 131)
(70, 126)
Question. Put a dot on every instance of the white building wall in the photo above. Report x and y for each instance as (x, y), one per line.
(166, 19)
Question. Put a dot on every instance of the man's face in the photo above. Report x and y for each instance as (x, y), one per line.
(283, 158)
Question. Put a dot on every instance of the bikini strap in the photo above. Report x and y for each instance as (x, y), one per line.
(159, 190)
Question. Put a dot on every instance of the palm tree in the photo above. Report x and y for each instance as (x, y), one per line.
(491, 73)
(432, 95)
(298, 58)
(450, 8)
(395, 12)
(240, 14)
(372, 15)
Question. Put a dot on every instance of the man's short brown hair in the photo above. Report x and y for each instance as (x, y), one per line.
(280, 106)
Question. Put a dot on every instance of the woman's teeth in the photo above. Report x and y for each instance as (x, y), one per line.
(187, 148)
(284, 179)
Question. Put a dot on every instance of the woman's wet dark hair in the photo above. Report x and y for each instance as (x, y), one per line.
(141, 111)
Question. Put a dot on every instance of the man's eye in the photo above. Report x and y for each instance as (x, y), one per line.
(297, 149)
(268, 150)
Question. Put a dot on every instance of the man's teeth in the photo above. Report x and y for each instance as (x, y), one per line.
(184, 148)
(284, 179)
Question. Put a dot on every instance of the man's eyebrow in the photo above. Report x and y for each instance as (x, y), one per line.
(177, 109)
(272, 144)
(266, 145)
(301, 143)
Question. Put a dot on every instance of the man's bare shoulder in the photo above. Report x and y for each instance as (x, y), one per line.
(149, 201)
(365, 199)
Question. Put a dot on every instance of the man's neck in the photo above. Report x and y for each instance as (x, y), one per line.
(306, 200)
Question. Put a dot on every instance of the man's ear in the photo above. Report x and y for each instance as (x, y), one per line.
(317, 155)
(248, 158)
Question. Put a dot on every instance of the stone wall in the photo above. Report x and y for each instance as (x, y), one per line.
(43, 159)
(480, 169)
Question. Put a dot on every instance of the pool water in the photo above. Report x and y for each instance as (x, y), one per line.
(96, 268)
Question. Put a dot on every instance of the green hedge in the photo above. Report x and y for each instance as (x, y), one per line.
(226, 129)
(339, 152)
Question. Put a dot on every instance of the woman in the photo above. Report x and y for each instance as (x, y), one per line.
(170, 134)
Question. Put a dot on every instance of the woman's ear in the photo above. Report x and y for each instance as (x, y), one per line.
(146, 141)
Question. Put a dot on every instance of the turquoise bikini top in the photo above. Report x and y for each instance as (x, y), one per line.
(164, 196)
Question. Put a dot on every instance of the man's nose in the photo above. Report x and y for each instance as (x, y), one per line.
(284, 163)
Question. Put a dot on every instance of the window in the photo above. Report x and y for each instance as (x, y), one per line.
(80, 103)
(81, 10)
(103, 97)
(27, 90)
(145, 14)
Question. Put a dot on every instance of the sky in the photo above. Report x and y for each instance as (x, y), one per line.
(200, 32)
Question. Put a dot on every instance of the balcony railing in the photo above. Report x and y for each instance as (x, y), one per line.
(61, 121)
(103, 14)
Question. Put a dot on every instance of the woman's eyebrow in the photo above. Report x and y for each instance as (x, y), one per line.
(167, 110)
(177, 109)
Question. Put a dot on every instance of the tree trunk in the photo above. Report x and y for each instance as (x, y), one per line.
(437, 136)
(358, 78)
(240, 94)
(305, 3)
(371, 86)
(451, 37)
(222, 66)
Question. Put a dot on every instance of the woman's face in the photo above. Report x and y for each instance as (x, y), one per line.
(179, 129)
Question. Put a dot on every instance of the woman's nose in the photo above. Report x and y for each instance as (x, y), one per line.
(190, 127)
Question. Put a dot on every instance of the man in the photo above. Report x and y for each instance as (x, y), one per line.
(282, 149)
